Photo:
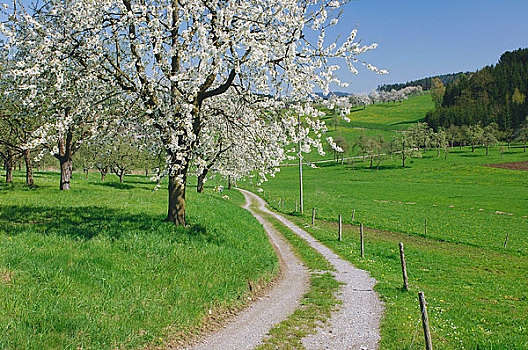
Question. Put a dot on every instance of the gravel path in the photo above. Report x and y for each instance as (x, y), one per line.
(356, 324)
(247, 329)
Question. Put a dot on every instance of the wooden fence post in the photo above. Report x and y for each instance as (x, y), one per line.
(340, 228)
(313, 216)
(361, 235)
(404, 268)
(425, 322)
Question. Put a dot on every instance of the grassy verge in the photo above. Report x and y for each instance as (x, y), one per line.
(477, 299)
(96, 267)
(316, 305)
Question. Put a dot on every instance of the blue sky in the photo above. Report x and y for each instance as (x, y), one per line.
(421, 38)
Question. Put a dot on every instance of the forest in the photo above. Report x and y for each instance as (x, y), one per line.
(425, 83)
(494, 94)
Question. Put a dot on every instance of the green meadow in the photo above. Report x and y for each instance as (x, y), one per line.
(476, 287)
(463, 201)
(96, 267)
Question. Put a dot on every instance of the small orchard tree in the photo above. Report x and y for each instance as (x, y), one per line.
(405, 145)
(422, 133)
(370, 147)
(453, 134)
(86, 157)
(343, 146)
(9, 158)
(507, 135)
(474, 134)
(440, 141)
(489, 136)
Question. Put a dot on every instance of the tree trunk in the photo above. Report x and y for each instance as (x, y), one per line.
(437, 152)
(121, 176)
(65, 157)
(403, 154)
(371, 160)
(487, 150)
(9, 165)
(66, 172)
(103, 176)
(472, 147)
(201, 181)
(229, 182)
(29, 168)
(176, 212)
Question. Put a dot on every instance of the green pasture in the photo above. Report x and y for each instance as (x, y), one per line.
(463, 201)
(96, 267)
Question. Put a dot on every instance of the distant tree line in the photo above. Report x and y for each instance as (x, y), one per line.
(494, 94)
(425, 83)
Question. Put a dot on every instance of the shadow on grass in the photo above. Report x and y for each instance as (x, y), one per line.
(409, 122)
(362, 166)
(89, 222)
(116, 185)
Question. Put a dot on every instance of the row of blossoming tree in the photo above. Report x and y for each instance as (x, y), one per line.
(217, 84)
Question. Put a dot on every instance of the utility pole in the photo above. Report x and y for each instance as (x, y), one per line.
(301, 201)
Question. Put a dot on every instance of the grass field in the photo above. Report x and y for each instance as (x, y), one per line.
(459, 197)
(96, 267)
(477, 289)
